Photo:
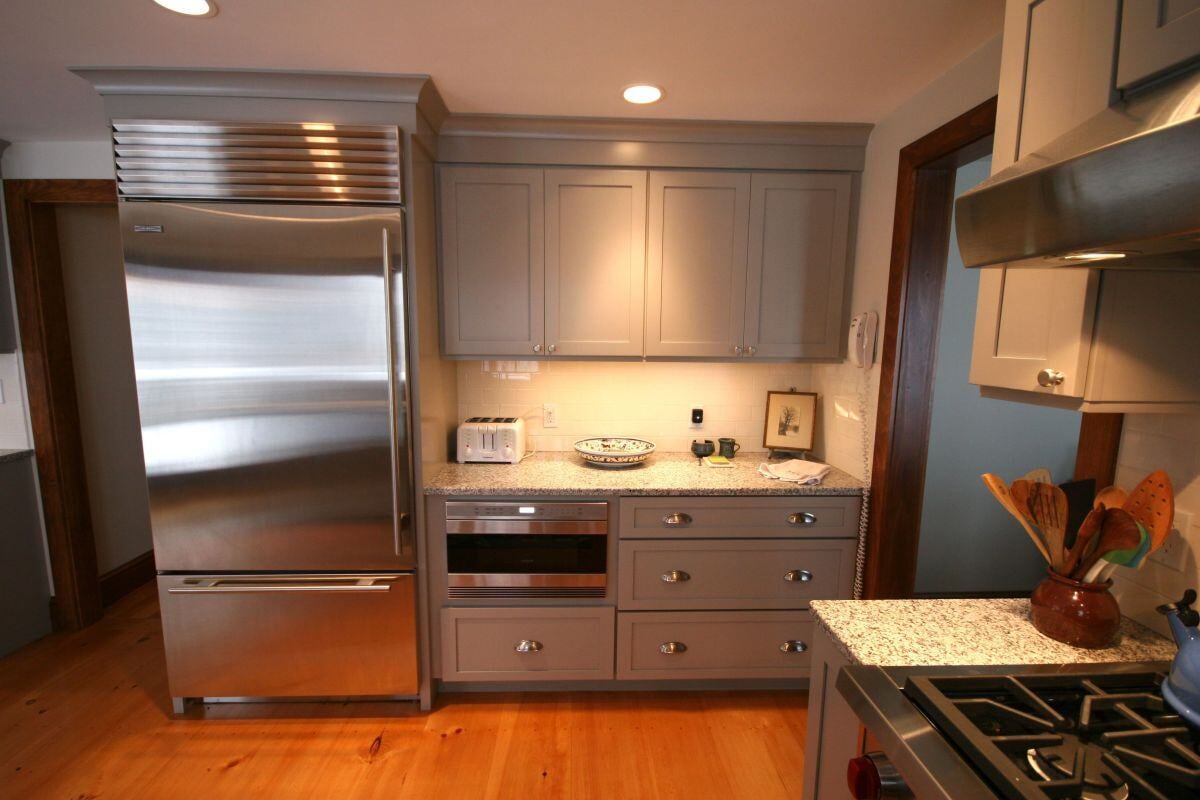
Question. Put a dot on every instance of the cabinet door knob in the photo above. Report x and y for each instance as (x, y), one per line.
(793, 646)
(677, 519)
(552, 348)
(751, 350)
(672, 648)
(1050, 377)
(797, 576)
(537, 348)
(737, 349)
(676, 576)
(802, 518)
(528, 646)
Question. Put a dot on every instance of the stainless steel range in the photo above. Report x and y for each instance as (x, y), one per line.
(1079, 731)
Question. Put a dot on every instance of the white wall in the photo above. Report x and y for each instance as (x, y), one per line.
(649, 400)
(55, 160)
(960, 89)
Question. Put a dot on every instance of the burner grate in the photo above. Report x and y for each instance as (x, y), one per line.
(1052, 737)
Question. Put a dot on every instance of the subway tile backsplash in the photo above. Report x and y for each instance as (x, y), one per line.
(1170, 442)
(649, 400)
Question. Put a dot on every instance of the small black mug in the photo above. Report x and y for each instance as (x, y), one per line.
(729, 447)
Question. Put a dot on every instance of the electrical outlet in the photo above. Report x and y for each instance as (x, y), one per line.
(1183, 538)
(550, 415)
(1, 393)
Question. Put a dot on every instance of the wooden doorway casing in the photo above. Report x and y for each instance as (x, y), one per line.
(50, 378)
(920, 246)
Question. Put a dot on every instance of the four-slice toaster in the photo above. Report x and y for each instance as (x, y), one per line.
(499, 440)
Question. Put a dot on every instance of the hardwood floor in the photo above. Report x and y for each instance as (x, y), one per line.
(86, 715)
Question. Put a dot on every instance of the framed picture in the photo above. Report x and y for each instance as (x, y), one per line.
(791, 420)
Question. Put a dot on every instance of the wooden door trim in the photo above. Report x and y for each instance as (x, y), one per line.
(920, 245)
(50, 379)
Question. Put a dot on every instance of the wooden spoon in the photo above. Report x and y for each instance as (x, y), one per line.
(1118, 531)
(1048, 506)
(1152, 503)
(1085, 536)
(999, 490)
(1039, 475)
(1110, 497)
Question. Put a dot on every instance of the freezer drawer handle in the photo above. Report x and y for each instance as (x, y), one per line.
(380, 583)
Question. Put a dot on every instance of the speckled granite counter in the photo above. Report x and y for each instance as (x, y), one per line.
(565, 474)
(14, 455)
(899, 633)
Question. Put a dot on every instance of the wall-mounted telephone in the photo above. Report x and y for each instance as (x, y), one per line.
(861, 346)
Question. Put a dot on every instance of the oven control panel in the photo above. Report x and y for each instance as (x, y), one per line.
(467, 510)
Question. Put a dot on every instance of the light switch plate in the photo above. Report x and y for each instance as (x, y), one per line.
(1, 393)
(1183, 538)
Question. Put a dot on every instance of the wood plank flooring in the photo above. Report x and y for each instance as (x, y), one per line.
(85, 715)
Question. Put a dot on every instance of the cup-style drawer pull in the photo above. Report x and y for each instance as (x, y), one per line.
(672, 648)
(677, 519)
(793, 646)
(528, 646)
(797, 576)
(802, 518)
(676, 576)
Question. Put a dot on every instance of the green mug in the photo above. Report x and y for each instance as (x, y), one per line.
(729, 447)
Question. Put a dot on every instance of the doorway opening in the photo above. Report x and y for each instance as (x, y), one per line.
(934, 529)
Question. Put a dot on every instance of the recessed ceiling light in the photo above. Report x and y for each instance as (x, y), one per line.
(1094, 256)
(191, 8)
(642, 93)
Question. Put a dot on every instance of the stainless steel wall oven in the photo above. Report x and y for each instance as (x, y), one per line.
(534, 549)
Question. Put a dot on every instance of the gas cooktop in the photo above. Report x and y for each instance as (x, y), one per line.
(1077, 731)
(1095, 736)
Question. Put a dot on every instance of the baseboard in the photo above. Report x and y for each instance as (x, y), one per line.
(118, 582)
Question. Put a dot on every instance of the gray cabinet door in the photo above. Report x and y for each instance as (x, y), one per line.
(492, 261)
(696, 279)
(595, 261)
(799, 228)
(1156, 36)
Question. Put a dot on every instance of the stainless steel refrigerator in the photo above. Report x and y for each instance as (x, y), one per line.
(269, 346)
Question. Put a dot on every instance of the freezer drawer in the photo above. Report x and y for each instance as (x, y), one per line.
(289, 635)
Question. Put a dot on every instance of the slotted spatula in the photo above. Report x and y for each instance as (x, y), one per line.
(1152, 503)
(1048, 507)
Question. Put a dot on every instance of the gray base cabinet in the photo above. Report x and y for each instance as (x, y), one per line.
(713, 644)
(527, 644)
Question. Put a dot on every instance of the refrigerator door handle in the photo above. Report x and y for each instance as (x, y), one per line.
(375, 583)
(400, 532)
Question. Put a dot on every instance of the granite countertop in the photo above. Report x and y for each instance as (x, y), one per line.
(664, 474)
(14, 455)
(903, 633)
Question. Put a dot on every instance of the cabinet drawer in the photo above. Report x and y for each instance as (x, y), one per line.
(738, 517)
(484, 644)
(707, 574)
(721, 644)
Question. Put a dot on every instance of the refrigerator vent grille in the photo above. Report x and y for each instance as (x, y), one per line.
(311, 162)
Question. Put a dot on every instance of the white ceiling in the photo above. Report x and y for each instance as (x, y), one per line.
(799, 60)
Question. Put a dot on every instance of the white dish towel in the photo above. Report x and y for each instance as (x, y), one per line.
(797, 470)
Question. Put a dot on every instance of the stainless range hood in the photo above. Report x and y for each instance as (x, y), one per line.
(1121, 190)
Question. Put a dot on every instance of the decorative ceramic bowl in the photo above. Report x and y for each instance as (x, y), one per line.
(614, 451)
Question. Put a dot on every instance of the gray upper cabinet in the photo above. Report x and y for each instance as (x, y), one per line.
(799, 230)
(696, 286)
(595, 261)
(1156, 37)
(493, 262)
